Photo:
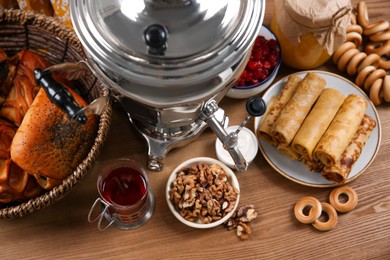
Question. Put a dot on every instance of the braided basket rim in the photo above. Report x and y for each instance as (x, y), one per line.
(51, 25)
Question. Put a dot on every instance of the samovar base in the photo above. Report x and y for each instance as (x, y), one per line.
(161, 140)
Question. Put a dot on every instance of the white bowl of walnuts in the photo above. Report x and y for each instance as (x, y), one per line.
(202, 192)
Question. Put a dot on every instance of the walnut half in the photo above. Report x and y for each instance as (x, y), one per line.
(240, 221)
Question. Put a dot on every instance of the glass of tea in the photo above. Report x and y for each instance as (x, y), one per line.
(125, 197)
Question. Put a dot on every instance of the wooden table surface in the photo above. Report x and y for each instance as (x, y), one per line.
(62, 230)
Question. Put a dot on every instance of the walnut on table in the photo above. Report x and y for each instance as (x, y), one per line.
(203, 193)
(240, 221)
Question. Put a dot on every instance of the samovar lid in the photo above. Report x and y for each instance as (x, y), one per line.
(166, 46)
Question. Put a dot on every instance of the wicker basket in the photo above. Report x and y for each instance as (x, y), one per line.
(57, 43)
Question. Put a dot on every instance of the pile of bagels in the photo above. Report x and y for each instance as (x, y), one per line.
(366, 54)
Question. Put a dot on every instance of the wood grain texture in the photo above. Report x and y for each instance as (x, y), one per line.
(62, 230)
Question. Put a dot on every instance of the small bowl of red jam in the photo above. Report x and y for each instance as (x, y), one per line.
(262, 67)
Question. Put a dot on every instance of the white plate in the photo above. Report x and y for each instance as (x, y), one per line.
(295, 170)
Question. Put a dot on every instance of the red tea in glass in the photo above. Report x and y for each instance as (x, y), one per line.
(125, 196)
(123, 186)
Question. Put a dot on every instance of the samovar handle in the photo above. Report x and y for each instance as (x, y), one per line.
(61, 97)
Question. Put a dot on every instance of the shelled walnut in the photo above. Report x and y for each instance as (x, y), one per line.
(202, 193)
(240, 221)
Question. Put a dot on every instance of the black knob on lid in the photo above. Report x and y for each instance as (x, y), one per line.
(256, 106)
(156, 37)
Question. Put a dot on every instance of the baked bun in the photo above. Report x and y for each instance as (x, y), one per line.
(24, 88)
(7, 133)
(8, 67)
(48, 144)
(15, 184)
(3, 55)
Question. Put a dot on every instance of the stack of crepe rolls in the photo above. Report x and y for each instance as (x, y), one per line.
(317, 122)
(341, 130)
(274, 107)
(340, 170)
(319, 126)
(297, 108)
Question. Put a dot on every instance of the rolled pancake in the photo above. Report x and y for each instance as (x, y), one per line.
(288, 151)
(267, 123)
(317, 121)
(340, 171)
(341, 130)
(297, 108)
(314, 166)
(262, 131)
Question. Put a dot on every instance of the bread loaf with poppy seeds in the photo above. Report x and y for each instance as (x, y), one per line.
(50, 145)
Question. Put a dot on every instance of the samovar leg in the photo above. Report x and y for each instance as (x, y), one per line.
(162, 141)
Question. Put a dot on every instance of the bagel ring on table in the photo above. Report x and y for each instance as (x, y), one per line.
(314, 212)
(331, 220)
(350, 204)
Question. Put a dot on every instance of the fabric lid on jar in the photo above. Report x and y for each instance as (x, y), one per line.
(327, 20)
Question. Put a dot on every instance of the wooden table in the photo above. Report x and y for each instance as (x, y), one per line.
(62, 230)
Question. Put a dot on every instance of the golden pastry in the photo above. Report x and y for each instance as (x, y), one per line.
(317, 122)
(340, 171)
(341, 130)
(295, 111)
(268, 121)
(48, 144)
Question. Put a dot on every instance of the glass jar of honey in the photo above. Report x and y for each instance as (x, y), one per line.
(309, 31)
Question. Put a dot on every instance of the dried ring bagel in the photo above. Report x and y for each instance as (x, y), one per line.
(362, 10)
(353, 64)
(375, 92)
(349, 205)
(366, 54)
(346, 58)
(380, 48)
(331, 219)
(370, 60)
(380, 37)
(386, 88)
(355, 28)
(363, 74)
(354, 34)
(372, 77)
(375, 28)
(385, 64)
(342, 49)
(314, 212)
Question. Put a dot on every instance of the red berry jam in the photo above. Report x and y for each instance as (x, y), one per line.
(263, 60)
